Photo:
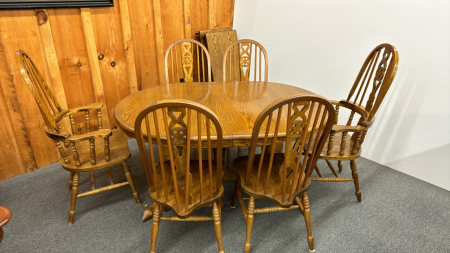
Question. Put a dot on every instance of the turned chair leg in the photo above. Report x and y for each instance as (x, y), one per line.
(340, 166)
(355, 179)
(155, 226)
(318, 171)
(126, 169)
(73, 201)
(307, 215)
(218, 227)
(235, 194)
(251, 209)
(70, 181)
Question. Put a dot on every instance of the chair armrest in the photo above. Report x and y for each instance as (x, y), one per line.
(334, 102)
(96, 134)
(69, 112)
(56, 136)
(344, 128)
(361, 110)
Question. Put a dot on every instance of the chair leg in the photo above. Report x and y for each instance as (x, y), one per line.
(218, 227)
(126, 169)
(70, 181)
(251, 208)
(307, 216)
(73, 201)
(235, 194)
(332, 168)
(355, 179)
(340, 166)
(155, 226)
(318, 171)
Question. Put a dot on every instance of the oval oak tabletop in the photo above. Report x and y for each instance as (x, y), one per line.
(237, 104)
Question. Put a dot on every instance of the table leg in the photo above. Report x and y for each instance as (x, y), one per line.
(148, 213)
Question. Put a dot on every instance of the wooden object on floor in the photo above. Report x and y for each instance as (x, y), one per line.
(202, 34)
(5, 216)
(111, 147)
(283, 178)
(187, 60)
(364, 100)
(245, 60)
(218, 42)
(180, 183)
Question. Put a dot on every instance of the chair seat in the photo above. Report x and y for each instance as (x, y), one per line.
(337, 147)
(274, 188)
(194, 188)
(119, 152)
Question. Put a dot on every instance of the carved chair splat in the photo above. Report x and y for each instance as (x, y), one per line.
(283, 178)
(179, 182)
(90, 151)
(189, 60)
(364, 100)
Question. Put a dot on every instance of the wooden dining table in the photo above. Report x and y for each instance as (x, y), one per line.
(237, 105)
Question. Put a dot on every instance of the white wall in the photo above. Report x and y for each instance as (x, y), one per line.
(320, 45)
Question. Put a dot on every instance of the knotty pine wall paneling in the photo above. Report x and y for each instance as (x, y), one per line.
(88, 55)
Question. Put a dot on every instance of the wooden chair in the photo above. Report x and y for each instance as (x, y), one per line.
(87, 156)
(179, 183)
(243, 62)
(187, 60)
(370, 88)
(5, 216)
(283, 178)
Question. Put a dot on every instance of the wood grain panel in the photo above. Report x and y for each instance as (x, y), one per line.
(113, 66)
(10, 152)
(72, 57)
(131, 37)
(14, 27)
(199, 16)
(143, 32)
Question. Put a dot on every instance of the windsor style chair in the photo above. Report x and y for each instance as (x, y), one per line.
(180, 183)
(283, 178)
(245, 60)
(187, 60)
(87, 155)
(370, 88)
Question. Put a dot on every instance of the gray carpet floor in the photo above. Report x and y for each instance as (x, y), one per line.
(398, 213)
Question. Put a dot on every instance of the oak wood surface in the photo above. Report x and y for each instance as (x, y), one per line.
(236, 104)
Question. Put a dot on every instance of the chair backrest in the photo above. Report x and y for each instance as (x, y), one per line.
(181, 59)
(52, 113)
(374, 79)
(190, 126)
(45, 99)
(306, 122)
(243, 61)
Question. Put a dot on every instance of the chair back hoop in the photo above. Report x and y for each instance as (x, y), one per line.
(182, 57)
(45, 99)
(177, 181)
(243, 57)
(306, 122)
(378, 71)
